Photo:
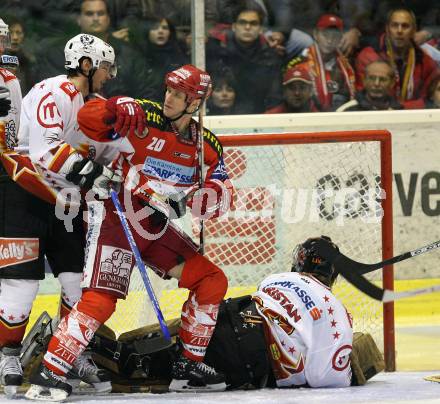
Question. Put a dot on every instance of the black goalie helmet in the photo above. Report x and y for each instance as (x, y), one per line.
(306, 260)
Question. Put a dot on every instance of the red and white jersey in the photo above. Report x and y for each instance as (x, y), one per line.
(308, 331)
(160, 160)
(49, 134)
(12, 120)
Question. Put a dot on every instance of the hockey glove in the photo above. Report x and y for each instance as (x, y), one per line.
(90, 175)
(165, 208)
(212, 201)
(125, 115)
(5, 101)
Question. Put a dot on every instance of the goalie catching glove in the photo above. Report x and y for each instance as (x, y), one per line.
(90, 175)
(125, 115)
(5, 101)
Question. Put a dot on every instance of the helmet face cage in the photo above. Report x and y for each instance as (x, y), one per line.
(5, 38)
(306, 260)
(194, 82)
(99, 52)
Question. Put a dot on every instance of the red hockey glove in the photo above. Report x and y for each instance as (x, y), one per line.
(125, 115)
(212, 201)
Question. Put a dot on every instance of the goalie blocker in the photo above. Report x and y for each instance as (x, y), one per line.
(140, 360)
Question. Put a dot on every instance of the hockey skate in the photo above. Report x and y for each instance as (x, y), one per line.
(11, 372)
(85, 370)
(48, 386)
(193, 376)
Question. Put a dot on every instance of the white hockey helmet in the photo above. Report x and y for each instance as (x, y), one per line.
(5, 39)
(99, 52)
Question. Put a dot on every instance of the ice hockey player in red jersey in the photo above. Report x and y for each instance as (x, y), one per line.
(160, 167)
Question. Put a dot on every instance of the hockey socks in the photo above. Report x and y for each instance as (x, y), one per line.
(208, 285)
(16, 298)
(76, 330)
(70, 291)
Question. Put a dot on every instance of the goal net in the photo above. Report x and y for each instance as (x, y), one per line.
(289, 187)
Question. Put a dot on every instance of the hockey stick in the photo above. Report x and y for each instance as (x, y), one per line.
(352, 271)
(365, 268)
(140, 264)
(201, 160)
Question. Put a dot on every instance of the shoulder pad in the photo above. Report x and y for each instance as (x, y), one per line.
(153, 112)
(145, 104)
(68, 88)
(7, 75)
(212, 140)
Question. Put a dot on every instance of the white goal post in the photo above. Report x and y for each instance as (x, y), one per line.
(289, 187)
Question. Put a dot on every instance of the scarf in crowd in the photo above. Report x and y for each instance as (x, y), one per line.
(321, 76)
(405, 88)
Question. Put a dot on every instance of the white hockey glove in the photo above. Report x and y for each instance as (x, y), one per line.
(5, 101)
(90, 175)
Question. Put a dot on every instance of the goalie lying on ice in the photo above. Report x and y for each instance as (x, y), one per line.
(292, 332)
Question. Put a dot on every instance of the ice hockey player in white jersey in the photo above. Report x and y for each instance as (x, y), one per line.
(49, 142)
(308, 330)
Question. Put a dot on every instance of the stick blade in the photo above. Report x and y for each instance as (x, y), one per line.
(349, 269)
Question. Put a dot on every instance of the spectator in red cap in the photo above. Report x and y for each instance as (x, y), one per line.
(297, 92)
(332, 74)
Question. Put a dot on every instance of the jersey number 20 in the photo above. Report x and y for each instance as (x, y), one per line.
(156, 144)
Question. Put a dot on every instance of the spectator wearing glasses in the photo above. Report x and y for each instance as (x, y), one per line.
(254, 64)
(377, 94)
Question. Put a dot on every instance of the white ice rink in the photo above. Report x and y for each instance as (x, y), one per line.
(388, 388)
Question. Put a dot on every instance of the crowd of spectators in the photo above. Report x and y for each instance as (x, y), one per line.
(265, 56)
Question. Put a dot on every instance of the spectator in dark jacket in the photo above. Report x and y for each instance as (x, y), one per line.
(377, 94)
(155, 39)
(222, 100)
(255, 65)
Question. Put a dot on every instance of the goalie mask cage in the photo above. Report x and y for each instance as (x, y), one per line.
(289, 187)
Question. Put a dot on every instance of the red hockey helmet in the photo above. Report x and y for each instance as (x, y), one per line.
(194, 82)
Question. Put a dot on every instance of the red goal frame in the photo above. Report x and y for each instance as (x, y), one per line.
(382, 136)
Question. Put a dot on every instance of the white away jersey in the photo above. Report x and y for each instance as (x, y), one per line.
(12, 120)
(309, 332)
(49, 131)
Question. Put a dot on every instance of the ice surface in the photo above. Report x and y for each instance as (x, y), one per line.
(395, 388)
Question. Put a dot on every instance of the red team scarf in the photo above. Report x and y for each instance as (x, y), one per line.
(321, 75)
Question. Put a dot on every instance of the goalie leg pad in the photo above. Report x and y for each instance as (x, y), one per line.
(37, 338)
(366, 359)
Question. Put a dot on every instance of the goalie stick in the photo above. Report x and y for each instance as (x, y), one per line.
(353, 271)
(141, 266)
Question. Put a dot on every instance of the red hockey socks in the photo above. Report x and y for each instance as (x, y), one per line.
(76, 330)
(208, 286)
